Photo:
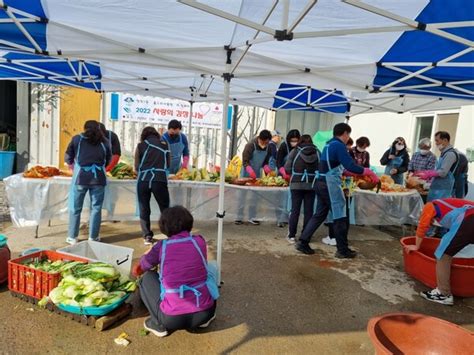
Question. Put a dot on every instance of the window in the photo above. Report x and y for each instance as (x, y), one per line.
(424, 127)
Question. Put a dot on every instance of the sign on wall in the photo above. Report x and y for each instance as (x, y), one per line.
(156, 110)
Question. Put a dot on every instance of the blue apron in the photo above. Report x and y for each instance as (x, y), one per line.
(258, 158)
(442, 187)
(451, 221)
(305, 176)
(210, 283)
(94, 169)
(176, 150)
(334, 184)
(395, 164)
(143, 173)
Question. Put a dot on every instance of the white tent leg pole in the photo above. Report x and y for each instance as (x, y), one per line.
(103, 119)
(190, 127)
(220, 209)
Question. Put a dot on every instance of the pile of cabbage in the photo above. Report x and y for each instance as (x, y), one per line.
(90, 285)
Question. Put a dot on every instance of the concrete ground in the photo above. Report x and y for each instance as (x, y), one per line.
(273, 300)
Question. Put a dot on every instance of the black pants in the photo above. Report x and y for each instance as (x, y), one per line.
(150, 294)
(331, 225)
(299, 197)
(340, 225)
(162, 196)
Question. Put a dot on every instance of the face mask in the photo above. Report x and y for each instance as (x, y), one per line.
(293, 144)
(399, 146)
(440, 146)
(361, 150)
(424, 151)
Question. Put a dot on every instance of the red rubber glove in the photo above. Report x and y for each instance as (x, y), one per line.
(113, 162)
(373, 177)
(267, 169)
(283, 173)
(185, 162)
(426, 174)
(250, 171)
(348, 173)
(137, 269)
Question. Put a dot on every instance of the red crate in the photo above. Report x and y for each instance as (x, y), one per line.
(32, 282)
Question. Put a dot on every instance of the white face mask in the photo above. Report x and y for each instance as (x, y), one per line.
(424, 151)
(399, 146)
(360, 149)
(293, 144)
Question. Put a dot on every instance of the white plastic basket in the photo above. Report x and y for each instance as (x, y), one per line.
(120, 257)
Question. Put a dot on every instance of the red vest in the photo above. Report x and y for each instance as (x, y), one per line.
(442, 210)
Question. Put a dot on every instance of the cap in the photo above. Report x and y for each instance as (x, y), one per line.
(276, 133)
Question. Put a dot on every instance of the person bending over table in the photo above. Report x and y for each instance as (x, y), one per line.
(457, 217)
(334, 158)
(87, 155)
(183, 294)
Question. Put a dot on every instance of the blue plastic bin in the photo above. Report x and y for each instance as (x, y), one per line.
(6, 164)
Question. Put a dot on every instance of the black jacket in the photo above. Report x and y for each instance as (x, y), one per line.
(154, 159)
(402, 153)
(304, 157)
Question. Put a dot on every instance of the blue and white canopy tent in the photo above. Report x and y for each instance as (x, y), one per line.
(396, 56)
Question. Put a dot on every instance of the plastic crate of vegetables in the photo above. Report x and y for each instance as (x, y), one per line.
(38, 273)
(91, 289)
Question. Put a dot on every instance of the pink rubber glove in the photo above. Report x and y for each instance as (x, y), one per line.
(283, 173)
(250, 171)
(185, 162)
(373, 177)
(427, 174)
(348, 173)
(267, 169)
(71, 167)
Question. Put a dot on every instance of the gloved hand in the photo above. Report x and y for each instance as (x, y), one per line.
(113, 162)
(348, 173)
(185, 162)
(137, 269)
(373, 177)
(71, 167)
(283, 173)
(250, 171)
(426, 174)
(267, 169)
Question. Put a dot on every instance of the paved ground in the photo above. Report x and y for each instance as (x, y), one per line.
(4, 215)
(273, 300)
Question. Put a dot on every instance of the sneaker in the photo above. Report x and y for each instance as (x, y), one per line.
(281, 224)
(291, 240)
(159, 331)
(238, 222)
(304, 248)
(329, 241)
(94, 240)
(254, 222)
(350, 254)
(71, 241)
(436, 296)
(205, 325)
(148, 240)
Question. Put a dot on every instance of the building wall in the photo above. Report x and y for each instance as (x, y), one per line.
(76, 107)
(383, 128)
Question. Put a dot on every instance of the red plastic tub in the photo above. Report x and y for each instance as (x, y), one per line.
(33, 282)
(421, 265)
(412, 333)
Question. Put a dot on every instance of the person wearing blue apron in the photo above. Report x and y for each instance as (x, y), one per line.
(396, 160)
(114, 143)
(255, 158)
(456, 216)
(87, 155)
(442, 178)
(330, 196)
(302, 164)
(178, 146)
(152, 159)
(183, 294)
(292, 140)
